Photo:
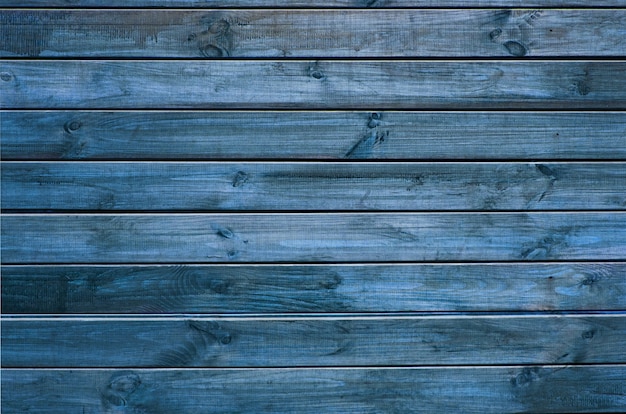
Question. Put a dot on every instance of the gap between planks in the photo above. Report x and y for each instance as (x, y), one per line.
(309, 317)
(339, 368)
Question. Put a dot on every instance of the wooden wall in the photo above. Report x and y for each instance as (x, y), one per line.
(350, 206)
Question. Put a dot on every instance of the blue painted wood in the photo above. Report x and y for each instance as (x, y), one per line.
(313, 84)
(558, 299)
(310, 238)
(508, 389)
(408, 33)
(313, 135)
(313, 341)
(159, 186)
(242, 289)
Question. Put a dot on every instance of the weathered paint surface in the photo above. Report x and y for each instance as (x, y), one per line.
(313, 135)
(313, 84)
(280, 206)
(311, 33)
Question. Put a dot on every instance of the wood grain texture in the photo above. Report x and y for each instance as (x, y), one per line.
(224, 84)
(308, 334)
(312, 33)
(274, 186)
(509, 389)
(315, 237)
(300, 288)
(302, 342)
(136, 135)
(313, 4)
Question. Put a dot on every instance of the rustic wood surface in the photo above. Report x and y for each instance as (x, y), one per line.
(291, 84)
(313, 33)
(312, 186)
(314, 288)
(313, 341)
(316, 237)
(530, 389)
(282, 206)
(313, 135)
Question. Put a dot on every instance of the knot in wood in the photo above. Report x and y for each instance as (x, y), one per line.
(120, 387)
(226, 339)
(526, 377)
(72, 126)
(240, 179)
(515, 48)
(317, 74)
(495, 33)
(374, 120)
(588, 334)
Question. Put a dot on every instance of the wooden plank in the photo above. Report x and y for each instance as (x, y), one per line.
(313, 4)
(314, 237)
(224, 84)
(274, 186)
(312, 341)
(312, 135)
(498, 390)
(301, 288)
(312, 33)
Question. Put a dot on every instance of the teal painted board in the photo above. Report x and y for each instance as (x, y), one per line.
(313, 84)
(312, 33)
(241, 289)
(312, 135)
(298, 341)
(313, 237)
(276, 186)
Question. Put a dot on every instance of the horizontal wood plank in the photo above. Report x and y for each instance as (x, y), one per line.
(205, 187)
(315, 237)
(312, 135)
(224, 84)
(299, 288)
(313, 4)
(510, 389)
(312, 33)
(301, 342)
